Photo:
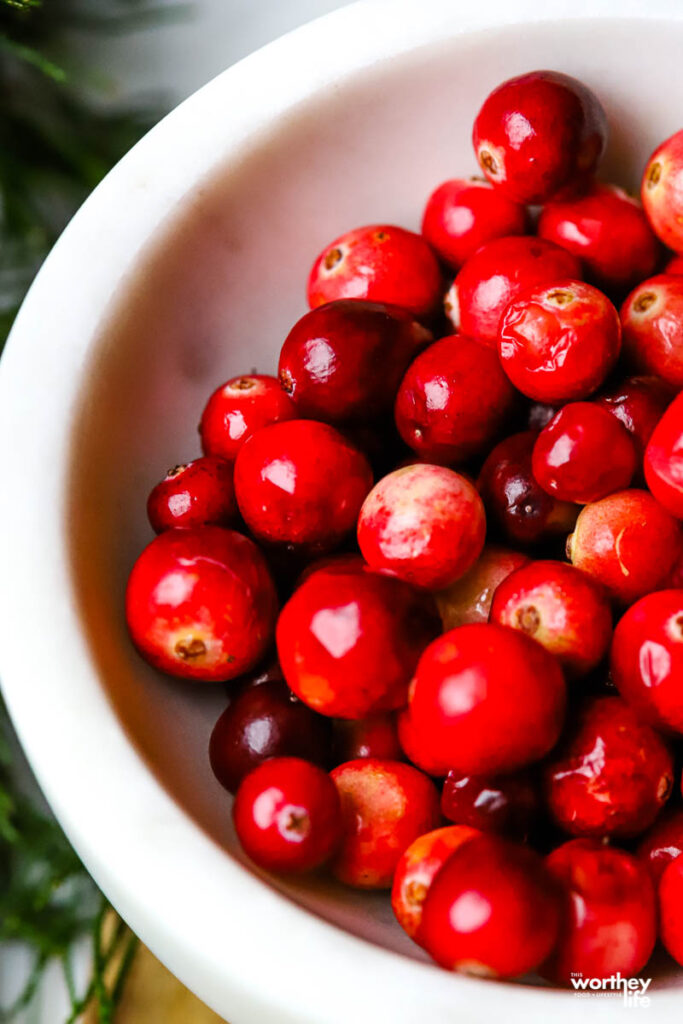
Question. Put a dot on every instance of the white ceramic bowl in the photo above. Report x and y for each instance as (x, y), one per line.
(186, 266)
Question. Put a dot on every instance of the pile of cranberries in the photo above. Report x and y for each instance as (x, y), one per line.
(439, 557)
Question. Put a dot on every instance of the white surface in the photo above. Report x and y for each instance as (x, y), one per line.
(216, 216)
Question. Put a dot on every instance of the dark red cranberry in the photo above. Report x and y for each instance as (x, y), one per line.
(670, 903)
(539, 415)
(200, 493)
(664, 459)
(240, 407)
(469, 598)
(662, 191)
(639, 403)
(652, 324)
(376, 736)
(501, 803)
(662, 843)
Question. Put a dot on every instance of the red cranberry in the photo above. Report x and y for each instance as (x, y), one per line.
(201, 604)
(558, 342)
(492, 910)
(380, 263)
(608, 231)
(417, 869)
(200, 493)
(469, 598)
(664, 459)
(612, 775)
(487, 699)
(287, 815)
(240, 407)
(423, 523)
(652, 322)
(349, 641)
(561, 608)
(453, 401)
(417, 748)
(376, 736)
(386, 805)
(344, 361)
(662, 843)
(496, 274)
(627, 542)
(639, 403)
(515, 502)
(463, 214)
(609, 921)
(662, 191)
(670, 903)
(502, 803)
(564, 458)
(674, 266)
(301, 483)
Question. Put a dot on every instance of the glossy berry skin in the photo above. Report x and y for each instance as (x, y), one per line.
(301, 483)
(417, 869)
(538, 134)
(664, 459)
(638, 403)
(386, 805)
(349, 641)
(201, 604)
(652, 323)
(609, 920)
(559, 607)
(514, 500)
(626, 542)
(496, 274)
(670, 902)
(463, 214)
(375, 736)
(453, 401)
(344, 361)
(200, 493)
(240, 407)
(265, 721)
(287, 815)
(469, 598)
(674, 266)
(608, 230)
(558, 342)
(489, 891)
(487, 700)
(505, 803)
(611, 775)
(564, 458)
(662, 191)
(378, 263)
(662, 843)
(417, 748)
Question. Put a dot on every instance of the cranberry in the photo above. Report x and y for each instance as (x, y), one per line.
(670, 903)
(492, 910)
(423, 523)
(380, 263)
(287, 815)
(515, 502)
(652, 322)
(609, 921)
(376, 736)
(564, 458)
(539, 415)
(664, 459)
(201, 604)
(417, 748)
(417, 869)
(344, 361)
(558, 342)
(674, 266)
(301, 483)
(463, 214)
(386, 805)
(487, 699)
(503, 803)
(496, 274)
(662, 843)
(627, 542)
(240, 407)
(200, 493)
(639, 403)
(453, 401)
(608, 230)
(349, 641)
(612, 774)
(561, 608)
(469, 598)
(662, 191)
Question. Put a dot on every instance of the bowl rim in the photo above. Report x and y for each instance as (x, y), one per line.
(106, 809)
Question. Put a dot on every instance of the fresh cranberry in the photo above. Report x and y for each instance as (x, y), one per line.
(564, 458)
(492, 910)
(386, 805)
(423, 523)
(287, 815)
(301, 483)
(349, 641)
(267, 671)
(539, 134)
(200, 493)
(652, 323)
(417, 869)
(674, 266)
(670, 903)
(344, 361)
(558, 342)
(608, 231)
(376, 736)
(662, 843)
(639, 403)
(463, 214)
(612, 775)
(662, 191)
(379, 263)
(469, 598)
(561, 608)
(495, 275)
(502, 803)
(627, 542)
(487, 700)
(240, 407)
(608, 924)
(515, 502)
(201, 603)
(454, 401)
(539, 415)
(417, 748)
(664, 459)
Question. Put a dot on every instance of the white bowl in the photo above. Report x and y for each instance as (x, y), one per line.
(188, 265)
